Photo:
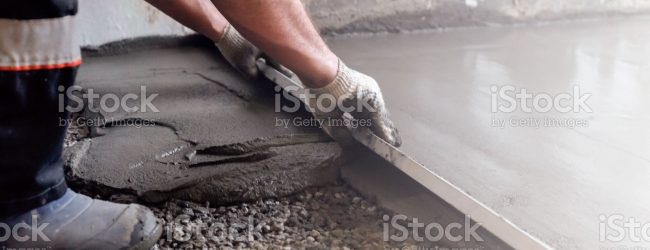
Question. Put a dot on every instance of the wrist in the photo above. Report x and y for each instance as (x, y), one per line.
(219, 32)
(342, 84)
(320, 71)
(231, 40)
(223, 33)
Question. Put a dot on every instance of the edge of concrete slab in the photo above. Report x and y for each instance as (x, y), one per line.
(420, 193)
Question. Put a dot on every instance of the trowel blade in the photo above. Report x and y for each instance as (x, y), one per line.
(363, 136)
(294, 87)
(290, 84)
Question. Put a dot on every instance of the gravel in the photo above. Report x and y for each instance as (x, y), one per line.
(331, 217)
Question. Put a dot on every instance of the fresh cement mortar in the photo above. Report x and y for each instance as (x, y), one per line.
(214, 138)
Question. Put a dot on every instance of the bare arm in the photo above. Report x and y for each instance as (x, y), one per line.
(199, 15)
(284, 31)
(280, 28)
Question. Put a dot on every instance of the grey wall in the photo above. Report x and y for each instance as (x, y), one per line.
(106, 21)
(103, 21)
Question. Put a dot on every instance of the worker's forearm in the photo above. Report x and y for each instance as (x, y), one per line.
(199, 15)
(282, 29)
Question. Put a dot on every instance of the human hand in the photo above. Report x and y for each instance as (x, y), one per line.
(359, 95)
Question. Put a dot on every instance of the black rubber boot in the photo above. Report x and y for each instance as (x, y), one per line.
(76, 221)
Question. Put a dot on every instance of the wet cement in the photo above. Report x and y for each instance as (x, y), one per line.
(553, 182)
(214, 138)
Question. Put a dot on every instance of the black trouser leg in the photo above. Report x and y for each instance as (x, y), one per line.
(32, 129)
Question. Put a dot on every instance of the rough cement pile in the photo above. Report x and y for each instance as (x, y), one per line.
(331, 217)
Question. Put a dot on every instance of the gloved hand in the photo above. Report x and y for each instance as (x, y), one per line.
(239, 52)
(243, 55)
(354, 88)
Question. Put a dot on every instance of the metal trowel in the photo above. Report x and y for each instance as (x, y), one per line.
(291, 84)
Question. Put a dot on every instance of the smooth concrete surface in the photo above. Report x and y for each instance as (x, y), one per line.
(555, 182)
(108, 21)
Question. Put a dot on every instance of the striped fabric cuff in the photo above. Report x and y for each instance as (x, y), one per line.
(35, 44)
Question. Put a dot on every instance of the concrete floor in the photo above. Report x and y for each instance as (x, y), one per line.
(554, 182)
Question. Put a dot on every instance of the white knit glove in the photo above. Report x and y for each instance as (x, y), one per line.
(243, 55)
(353, 88)
(239, 52)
